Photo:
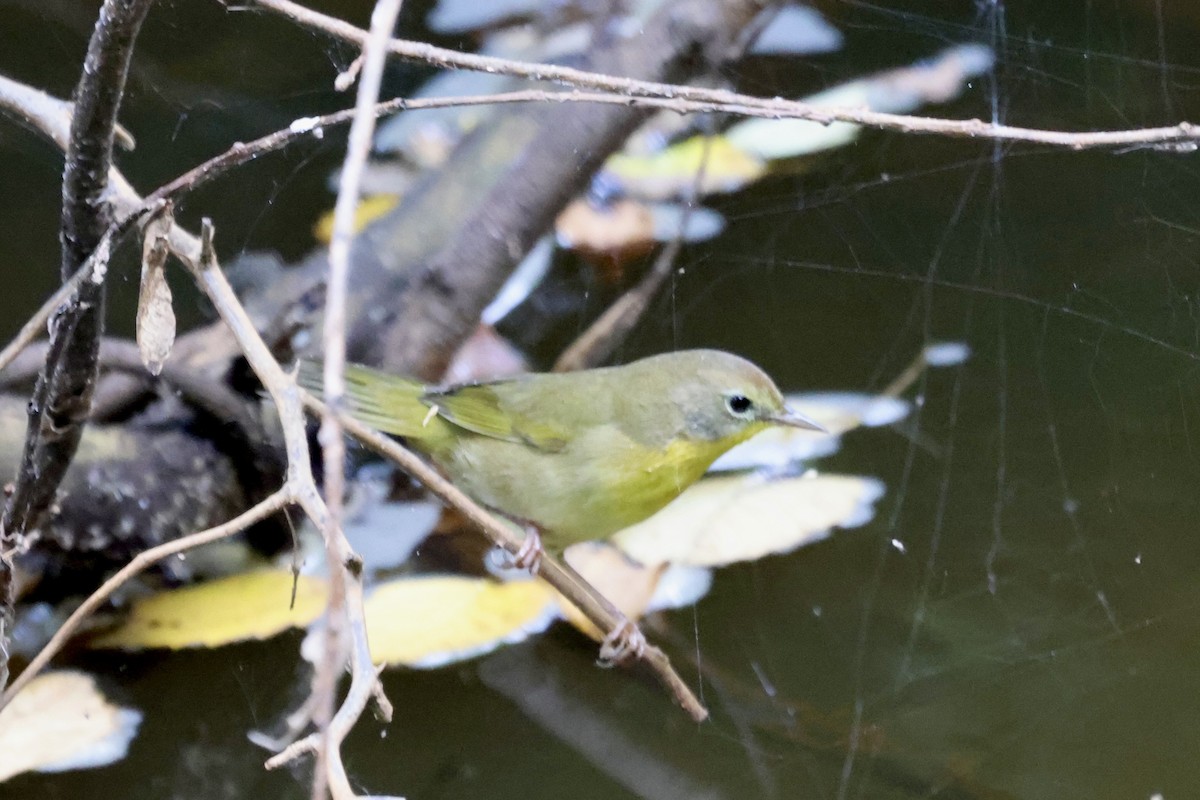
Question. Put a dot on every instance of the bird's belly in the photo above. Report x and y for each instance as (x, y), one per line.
(589, 490)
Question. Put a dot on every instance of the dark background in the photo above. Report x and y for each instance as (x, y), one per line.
(1038, 635)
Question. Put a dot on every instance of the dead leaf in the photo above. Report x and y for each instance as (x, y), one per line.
(61, 721)
(620, 231)
(254, 605)
(155, 314)
(723, 520)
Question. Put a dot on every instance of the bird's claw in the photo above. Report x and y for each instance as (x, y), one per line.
(529, 556)
(624, 642)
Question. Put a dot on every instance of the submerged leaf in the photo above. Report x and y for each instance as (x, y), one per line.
(255, 605)
(723, 520)
(429, 622)
(61, 721)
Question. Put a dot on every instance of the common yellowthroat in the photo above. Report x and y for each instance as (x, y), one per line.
(579, 455)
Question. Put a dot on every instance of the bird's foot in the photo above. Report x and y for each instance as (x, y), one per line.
(530, 555)
(622, 643)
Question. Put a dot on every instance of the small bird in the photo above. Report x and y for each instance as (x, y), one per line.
(579, 455)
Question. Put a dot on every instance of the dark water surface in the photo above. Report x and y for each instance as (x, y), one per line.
(1037, 634)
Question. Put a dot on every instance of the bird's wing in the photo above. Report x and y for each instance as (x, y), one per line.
(481, 409)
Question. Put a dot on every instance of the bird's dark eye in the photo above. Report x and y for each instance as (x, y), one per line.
(738, 404)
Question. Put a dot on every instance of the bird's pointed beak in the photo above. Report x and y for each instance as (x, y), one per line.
(794, 419)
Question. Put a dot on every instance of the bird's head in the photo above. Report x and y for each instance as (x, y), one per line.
(725, 398)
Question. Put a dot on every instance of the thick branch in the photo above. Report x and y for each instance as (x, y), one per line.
(561, 148)
(62, 398)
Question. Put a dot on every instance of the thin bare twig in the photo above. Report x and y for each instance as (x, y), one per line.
(142, 561)
(1185, 135)
(44, 115)
(333, 445)
(200, 258)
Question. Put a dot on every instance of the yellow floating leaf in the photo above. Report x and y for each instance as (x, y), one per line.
(254, 605)
(722, 520)
(369, 209)
(672, 172)
(428, 622)
(61, 721)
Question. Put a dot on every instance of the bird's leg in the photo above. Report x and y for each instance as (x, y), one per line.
(529, 556)
(622, 643)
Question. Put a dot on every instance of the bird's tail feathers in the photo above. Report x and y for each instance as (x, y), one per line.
(387, 402)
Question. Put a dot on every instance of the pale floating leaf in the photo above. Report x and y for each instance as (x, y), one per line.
(628, 585)
(255, 605)
(797, 30)
(60, 722)
(701, 225)
(633, 588)
(485, 356)
(385, 533)
(464, 16)
(425, 137)
(838, 412)
(429, 622)
(896, 91)
(155, 313)
(946, 354)
(723, 520)
(680, 585)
